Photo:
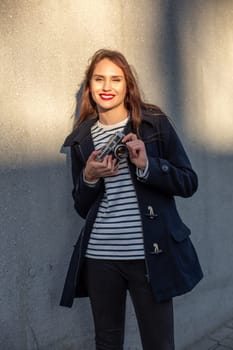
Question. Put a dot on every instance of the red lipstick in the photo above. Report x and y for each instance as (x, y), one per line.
(107, 97)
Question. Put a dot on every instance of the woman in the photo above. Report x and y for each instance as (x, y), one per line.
(133, 238)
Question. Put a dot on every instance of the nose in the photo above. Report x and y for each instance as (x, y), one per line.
(107, 85)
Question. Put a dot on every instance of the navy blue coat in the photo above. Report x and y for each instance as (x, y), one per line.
(171, 260)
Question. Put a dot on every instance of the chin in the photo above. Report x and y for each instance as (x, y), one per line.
(103, 109)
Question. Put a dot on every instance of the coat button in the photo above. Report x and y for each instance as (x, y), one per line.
(151, 213)
(165, 168)
(156, 249)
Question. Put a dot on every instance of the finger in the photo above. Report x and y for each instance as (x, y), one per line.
(108, 163)
(137, 144)
(115, 164)
(104, 162)
(129, 137)
(133, 146)
(133, 153)
(93, 155)
(111, 163)
(111, 172)
(136, 149)
(104, 166)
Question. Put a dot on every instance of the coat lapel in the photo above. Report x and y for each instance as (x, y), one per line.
(86, 146)
(82, 137)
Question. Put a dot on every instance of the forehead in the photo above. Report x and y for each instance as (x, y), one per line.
(107, 67)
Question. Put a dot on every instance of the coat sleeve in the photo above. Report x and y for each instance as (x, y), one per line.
(171, 173)
(84, 196)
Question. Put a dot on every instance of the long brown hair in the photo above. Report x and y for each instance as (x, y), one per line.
(86, 107)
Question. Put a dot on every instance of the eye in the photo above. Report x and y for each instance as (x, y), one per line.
(98, 79)
(116, 79)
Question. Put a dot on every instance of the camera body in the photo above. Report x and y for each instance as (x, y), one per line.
(114, 147)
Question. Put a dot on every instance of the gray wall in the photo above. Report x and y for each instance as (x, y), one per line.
(182, 51)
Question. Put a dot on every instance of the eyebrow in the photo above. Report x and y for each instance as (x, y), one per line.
(112, 76)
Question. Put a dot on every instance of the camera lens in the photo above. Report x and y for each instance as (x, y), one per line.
(121, 151)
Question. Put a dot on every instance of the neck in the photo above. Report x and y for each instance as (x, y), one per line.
(112, 117)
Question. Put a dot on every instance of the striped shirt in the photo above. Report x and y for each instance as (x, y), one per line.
(117, 230)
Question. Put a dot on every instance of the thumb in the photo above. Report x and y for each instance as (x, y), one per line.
(93, 155)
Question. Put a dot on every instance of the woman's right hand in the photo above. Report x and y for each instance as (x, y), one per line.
(94, 170)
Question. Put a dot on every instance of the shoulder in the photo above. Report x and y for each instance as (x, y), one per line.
(158, 120)
(160, 126)
(79, 133)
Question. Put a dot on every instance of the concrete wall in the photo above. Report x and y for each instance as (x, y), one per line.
(183, 53)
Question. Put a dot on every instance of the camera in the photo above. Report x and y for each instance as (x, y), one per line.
(114, 147)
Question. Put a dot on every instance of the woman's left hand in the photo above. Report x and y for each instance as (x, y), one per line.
(137, 150)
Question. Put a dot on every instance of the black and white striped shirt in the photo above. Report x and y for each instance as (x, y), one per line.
(117, 230)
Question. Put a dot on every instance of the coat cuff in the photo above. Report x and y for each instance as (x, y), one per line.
(88, 183)
(143, 174)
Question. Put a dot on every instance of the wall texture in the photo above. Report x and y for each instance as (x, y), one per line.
(183, 53)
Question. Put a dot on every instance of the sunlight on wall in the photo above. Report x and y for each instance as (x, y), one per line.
(207, 48)
(45, 51)
(41, 67)
(35, 86)
(44, 54)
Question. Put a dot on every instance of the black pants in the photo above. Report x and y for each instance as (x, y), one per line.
(107, 283)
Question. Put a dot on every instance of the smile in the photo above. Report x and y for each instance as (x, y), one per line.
(106, 97)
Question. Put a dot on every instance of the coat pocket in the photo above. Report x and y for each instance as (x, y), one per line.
(180, 233)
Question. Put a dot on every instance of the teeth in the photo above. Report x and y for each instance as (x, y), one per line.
(107, 96)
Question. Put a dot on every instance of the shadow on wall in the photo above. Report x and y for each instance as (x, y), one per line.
(38, 228)
(169, 45)
(197, 63)
(186, 56)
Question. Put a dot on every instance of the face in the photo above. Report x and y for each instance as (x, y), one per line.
(108, 87)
